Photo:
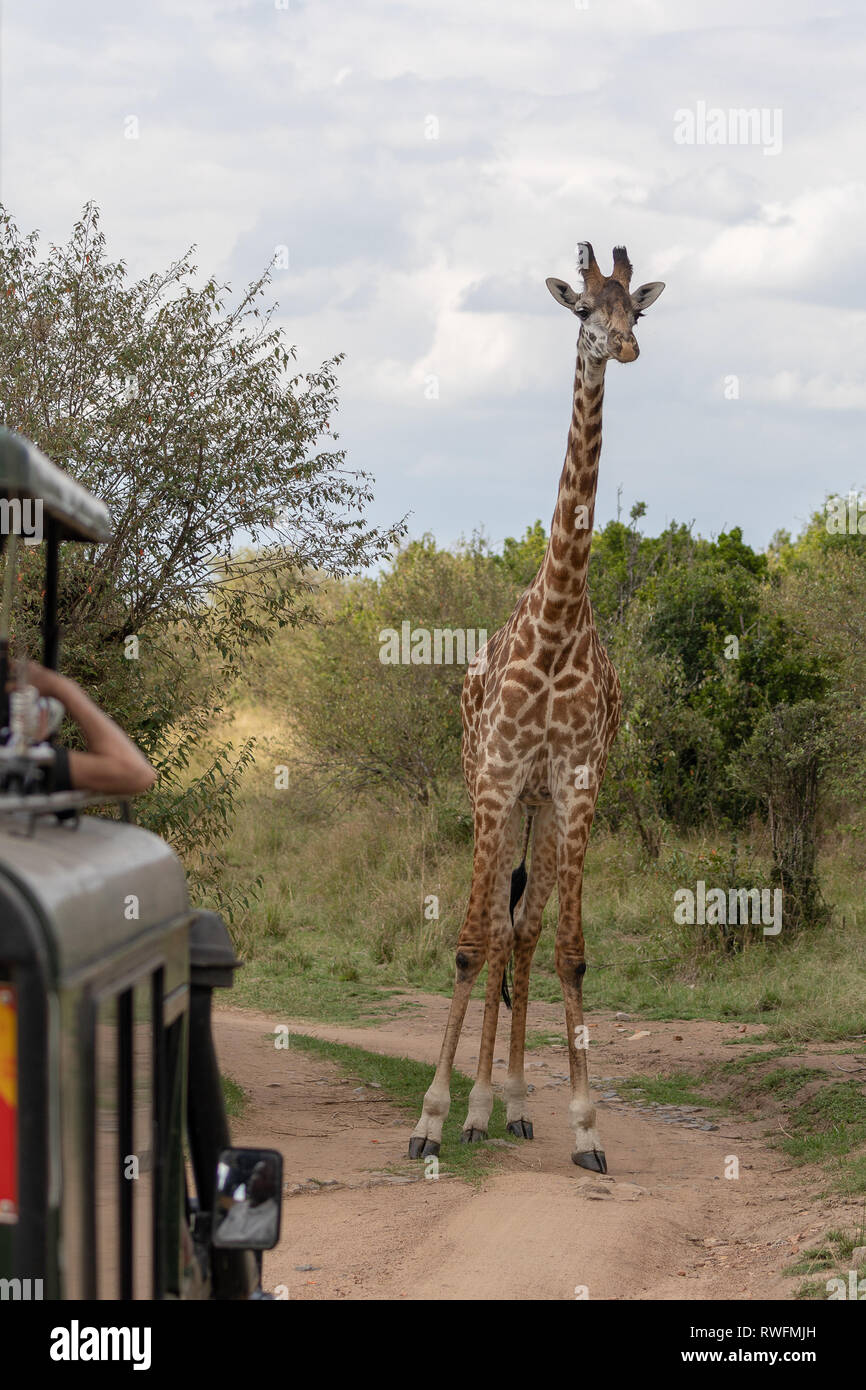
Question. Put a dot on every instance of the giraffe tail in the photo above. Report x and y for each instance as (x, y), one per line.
(518, 885)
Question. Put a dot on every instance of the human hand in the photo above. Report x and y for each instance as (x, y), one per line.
(31, 673)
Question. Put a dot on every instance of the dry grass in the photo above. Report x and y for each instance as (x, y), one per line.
(373, 897)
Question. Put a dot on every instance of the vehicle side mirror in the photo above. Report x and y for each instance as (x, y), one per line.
(247, 1199)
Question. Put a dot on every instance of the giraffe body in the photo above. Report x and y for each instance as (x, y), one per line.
(540, 709)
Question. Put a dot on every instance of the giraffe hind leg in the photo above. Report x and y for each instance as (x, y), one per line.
(574, 817)
(500, 938)
(527, 929)
(518, 886)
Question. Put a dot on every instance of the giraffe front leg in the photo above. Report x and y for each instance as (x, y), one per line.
(574, 819)
(588, 1149)
(477, 1121)
(527, 929)
(471, 951)
(485, 934)
(426, 1137)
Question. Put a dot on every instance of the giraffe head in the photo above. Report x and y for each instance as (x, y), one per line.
(606, 307)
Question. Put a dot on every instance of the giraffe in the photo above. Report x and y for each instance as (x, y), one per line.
(540, 709)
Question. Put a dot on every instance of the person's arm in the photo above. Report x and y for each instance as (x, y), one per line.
(112, 763)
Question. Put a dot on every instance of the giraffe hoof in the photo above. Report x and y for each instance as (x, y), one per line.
(593, 1159)
(473, 1136)
(419, 1147)
(521, 1129)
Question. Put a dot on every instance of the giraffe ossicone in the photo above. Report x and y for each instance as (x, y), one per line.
(543, 703)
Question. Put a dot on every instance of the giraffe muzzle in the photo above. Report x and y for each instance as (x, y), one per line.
(626, 350)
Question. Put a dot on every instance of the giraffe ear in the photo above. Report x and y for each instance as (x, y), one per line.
(562, 293)
(646, 295)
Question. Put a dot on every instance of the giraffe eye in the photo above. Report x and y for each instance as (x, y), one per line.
(582, 313)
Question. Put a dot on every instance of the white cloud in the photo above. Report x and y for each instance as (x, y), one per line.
(820, 392)
(807, 242)
(305, 126)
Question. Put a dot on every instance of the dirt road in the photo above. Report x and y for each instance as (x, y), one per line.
(664, 1224)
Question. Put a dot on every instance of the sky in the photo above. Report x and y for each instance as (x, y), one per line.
(425, 166)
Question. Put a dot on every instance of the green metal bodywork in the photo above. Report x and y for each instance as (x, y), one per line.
(25, 472)
(100, 888)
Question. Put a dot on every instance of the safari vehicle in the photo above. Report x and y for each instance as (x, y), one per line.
(116, 1172)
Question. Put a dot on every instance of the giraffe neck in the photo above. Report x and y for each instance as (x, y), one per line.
(561, 581)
